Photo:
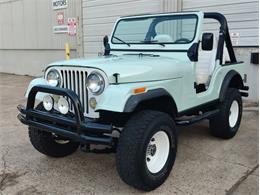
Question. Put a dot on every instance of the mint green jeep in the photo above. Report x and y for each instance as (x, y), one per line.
(158, 72)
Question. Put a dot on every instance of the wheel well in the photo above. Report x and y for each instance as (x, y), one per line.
(231, 80)
(163, 104)
(236, 82)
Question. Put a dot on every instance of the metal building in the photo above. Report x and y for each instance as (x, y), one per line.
(242, 15)
(27, 40)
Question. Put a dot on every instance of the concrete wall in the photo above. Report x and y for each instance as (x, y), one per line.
(29, 61)
(27, 41)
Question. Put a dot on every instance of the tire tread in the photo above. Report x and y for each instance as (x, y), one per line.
(131, 139)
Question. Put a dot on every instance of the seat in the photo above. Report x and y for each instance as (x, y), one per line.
(226, 57)
(206, 64)
(163, 38)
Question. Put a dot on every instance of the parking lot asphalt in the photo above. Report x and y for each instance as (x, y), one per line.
(204, 164)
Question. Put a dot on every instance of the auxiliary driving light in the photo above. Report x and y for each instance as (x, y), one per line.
(63, 105)
(48, 102)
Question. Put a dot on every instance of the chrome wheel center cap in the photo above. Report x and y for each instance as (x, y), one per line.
(153, 150)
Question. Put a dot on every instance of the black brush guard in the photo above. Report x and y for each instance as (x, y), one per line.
(76, 127)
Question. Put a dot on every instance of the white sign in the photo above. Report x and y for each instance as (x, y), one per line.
(60, 29)
(60, 18)
(59, 4)
(235, 38)
(72, 26)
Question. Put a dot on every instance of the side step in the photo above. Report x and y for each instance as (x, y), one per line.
(198, 118)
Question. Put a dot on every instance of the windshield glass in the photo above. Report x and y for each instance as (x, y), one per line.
(176, 29)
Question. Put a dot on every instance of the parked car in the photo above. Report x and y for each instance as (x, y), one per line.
(156, 69)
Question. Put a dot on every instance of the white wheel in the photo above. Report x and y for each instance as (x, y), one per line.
(233, 113)
(226, 123)
(157, 152)
(147, 149)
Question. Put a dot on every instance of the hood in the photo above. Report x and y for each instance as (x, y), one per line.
(131, 68)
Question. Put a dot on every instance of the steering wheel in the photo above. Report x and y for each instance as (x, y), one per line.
(182, 40)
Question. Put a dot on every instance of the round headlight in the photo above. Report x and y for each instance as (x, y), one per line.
(95, 83)
(53, 77)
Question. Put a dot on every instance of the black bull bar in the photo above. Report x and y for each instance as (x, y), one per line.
(76, 127)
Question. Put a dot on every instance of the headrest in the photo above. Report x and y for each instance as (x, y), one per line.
(164, 38)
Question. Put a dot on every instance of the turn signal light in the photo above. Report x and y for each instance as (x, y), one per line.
(139, 90)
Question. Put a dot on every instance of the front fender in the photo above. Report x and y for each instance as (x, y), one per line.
(115, 97)
(34, 82)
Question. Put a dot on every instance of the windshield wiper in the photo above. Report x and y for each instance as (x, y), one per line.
(142, 54)
(153, 42)
(122, 41)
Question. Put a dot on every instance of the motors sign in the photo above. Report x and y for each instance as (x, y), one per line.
(59, 4)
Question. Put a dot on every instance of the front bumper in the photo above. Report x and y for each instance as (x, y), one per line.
(75, 127)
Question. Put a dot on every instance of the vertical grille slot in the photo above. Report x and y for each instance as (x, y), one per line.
(78, 86)
(62, 75)
(70, 87)
(66, 79)
(82, 90)
(85, 93)
(75, 80)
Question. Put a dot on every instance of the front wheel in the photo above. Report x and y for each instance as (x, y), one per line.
(146, 150)
(51, 144)
(226, 124)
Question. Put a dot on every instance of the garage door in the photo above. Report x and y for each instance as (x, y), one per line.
(99, 17)
(242, 16)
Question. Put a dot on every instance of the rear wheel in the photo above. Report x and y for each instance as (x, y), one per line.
(146, 150)
(51, 144)
(226, 124)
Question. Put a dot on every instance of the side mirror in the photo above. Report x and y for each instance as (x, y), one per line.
(207, 41)
(106, 45)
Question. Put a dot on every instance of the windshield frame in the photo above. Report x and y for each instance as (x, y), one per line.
(157, 16)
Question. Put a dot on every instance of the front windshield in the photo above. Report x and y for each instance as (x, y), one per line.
(175, 29)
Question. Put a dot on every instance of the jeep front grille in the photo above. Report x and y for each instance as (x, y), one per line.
(75, 80)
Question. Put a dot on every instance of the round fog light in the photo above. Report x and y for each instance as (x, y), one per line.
(93, 102)
(48, 102)
(63, 105)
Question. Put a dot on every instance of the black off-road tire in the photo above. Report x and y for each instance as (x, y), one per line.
(220, 125)
(46, 143)
(131, 151)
